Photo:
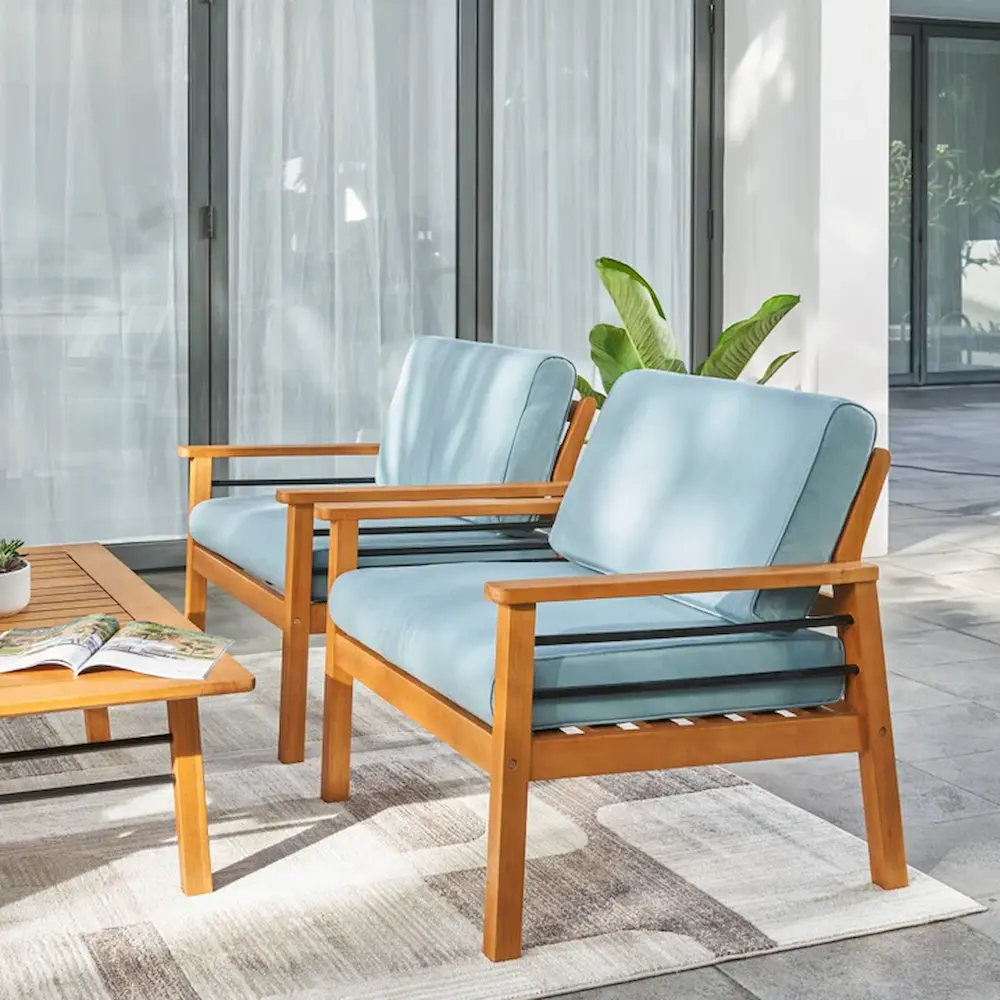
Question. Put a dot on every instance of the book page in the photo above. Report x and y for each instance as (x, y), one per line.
(70, 645)
(161, 651)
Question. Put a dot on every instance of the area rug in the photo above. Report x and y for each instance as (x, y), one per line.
(628, 876)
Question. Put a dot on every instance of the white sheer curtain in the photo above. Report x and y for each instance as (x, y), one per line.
(342, 207)
(593, 150)
(93, 268)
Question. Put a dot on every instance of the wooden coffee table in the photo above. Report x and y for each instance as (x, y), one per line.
(74, 580)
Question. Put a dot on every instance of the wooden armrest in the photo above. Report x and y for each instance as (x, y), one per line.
(273, 450)
(381, 510)
(392, 494)
(588, 588)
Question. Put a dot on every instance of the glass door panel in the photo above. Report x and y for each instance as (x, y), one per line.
(592, 157)
(93, 268)
(901, 207)
(963, 195)
(342, 179)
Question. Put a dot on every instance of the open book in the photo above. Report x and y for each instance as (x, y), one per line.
(99, 641)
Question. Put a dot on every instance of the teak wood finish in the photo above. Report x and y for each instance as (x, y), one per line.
(294, 611)
(75, 580)
(513, 755)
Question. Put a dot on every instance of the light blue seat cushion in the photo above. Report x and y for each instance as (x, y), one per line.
(465, 412)
(434, 623)
(686, 473)
(251, 533)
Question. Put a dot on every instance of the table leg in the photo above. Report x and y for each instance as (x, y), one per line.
(190, 807)
(98, 725)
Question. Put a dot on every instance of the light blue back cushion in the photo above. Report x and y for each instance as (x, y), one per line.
(687, 473)
(465, 412)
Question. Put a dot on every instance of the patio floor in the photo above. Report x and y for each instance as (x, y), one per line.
(941, 613)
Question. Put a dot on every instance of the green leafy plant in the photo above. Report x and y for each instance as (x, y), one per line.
(645, 339)
(10, 555)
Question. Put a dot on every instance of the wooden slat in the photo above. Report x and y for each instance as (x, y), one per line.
(257, 596)
(586, 588)
(317, 618)
(859, 519)
(581, 415)
(436, 508)
(410, 494)
(44, 617)
(710, 741)
(445, 720)
(274, 451)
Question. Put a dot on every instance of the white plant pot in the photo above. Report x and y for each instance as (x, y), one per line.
(15, 590)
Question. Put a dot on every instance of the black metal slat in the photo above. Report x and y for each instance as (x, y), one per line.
(62, 791)
(78, 748)
(640, 635)
(691, 684)
(294, 482)
(432, 529)
(525, 545)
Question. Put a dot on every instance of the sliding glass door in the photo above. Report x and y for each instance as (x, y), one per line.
(342, 209)
(228, 221)
(93, 268)
(593, 134)
(944, 204)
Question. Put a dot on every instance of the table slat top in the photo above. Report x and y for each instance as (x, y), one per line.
(70, 581)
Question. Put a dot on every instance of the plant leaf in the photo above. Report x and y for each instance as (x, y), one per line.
(740, 342)
(643, 322)
(586, 390)
(613, 352)
(775, 366)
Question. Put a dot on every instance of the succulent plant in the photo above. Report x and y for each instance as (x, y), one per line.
(10, 555)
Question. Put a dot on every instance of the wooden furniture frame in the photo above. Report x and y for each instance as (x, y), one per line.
(294, 611)
(75, 580)
(513, 755)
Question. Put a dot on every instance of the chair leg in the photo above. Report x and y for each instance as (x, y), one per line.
(195, 591)
(510, 771)
(868, 695)
(337, 705)
(294, 685)
(295, 638)
(505, 860)
(97, 723)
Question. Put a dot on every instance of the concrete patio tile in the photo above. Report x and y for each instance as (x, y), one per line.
(949, 961)
(908, 695)
(978, 773)
(902, 512)
(986, 580)
(963, 853)
(898, 624)
(931, 733)
(833, 791)
(971, 680)
(990, 631)
(953, 561)
(702, 984)
(961, 611)
(909, 653)
(987, 923)
(915, 536)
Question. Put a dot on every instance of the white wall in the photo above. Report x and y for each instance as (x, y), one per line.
(806, 190)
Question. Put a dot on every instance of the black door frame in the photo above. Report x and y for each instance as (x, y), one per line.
(920, 31)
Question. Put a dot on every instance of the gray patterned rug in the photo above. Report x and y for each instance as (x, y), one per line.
(628, 876)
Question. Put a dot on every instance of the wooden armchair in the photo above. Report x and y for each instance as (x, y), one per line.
(269, 554)
(585, 668)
